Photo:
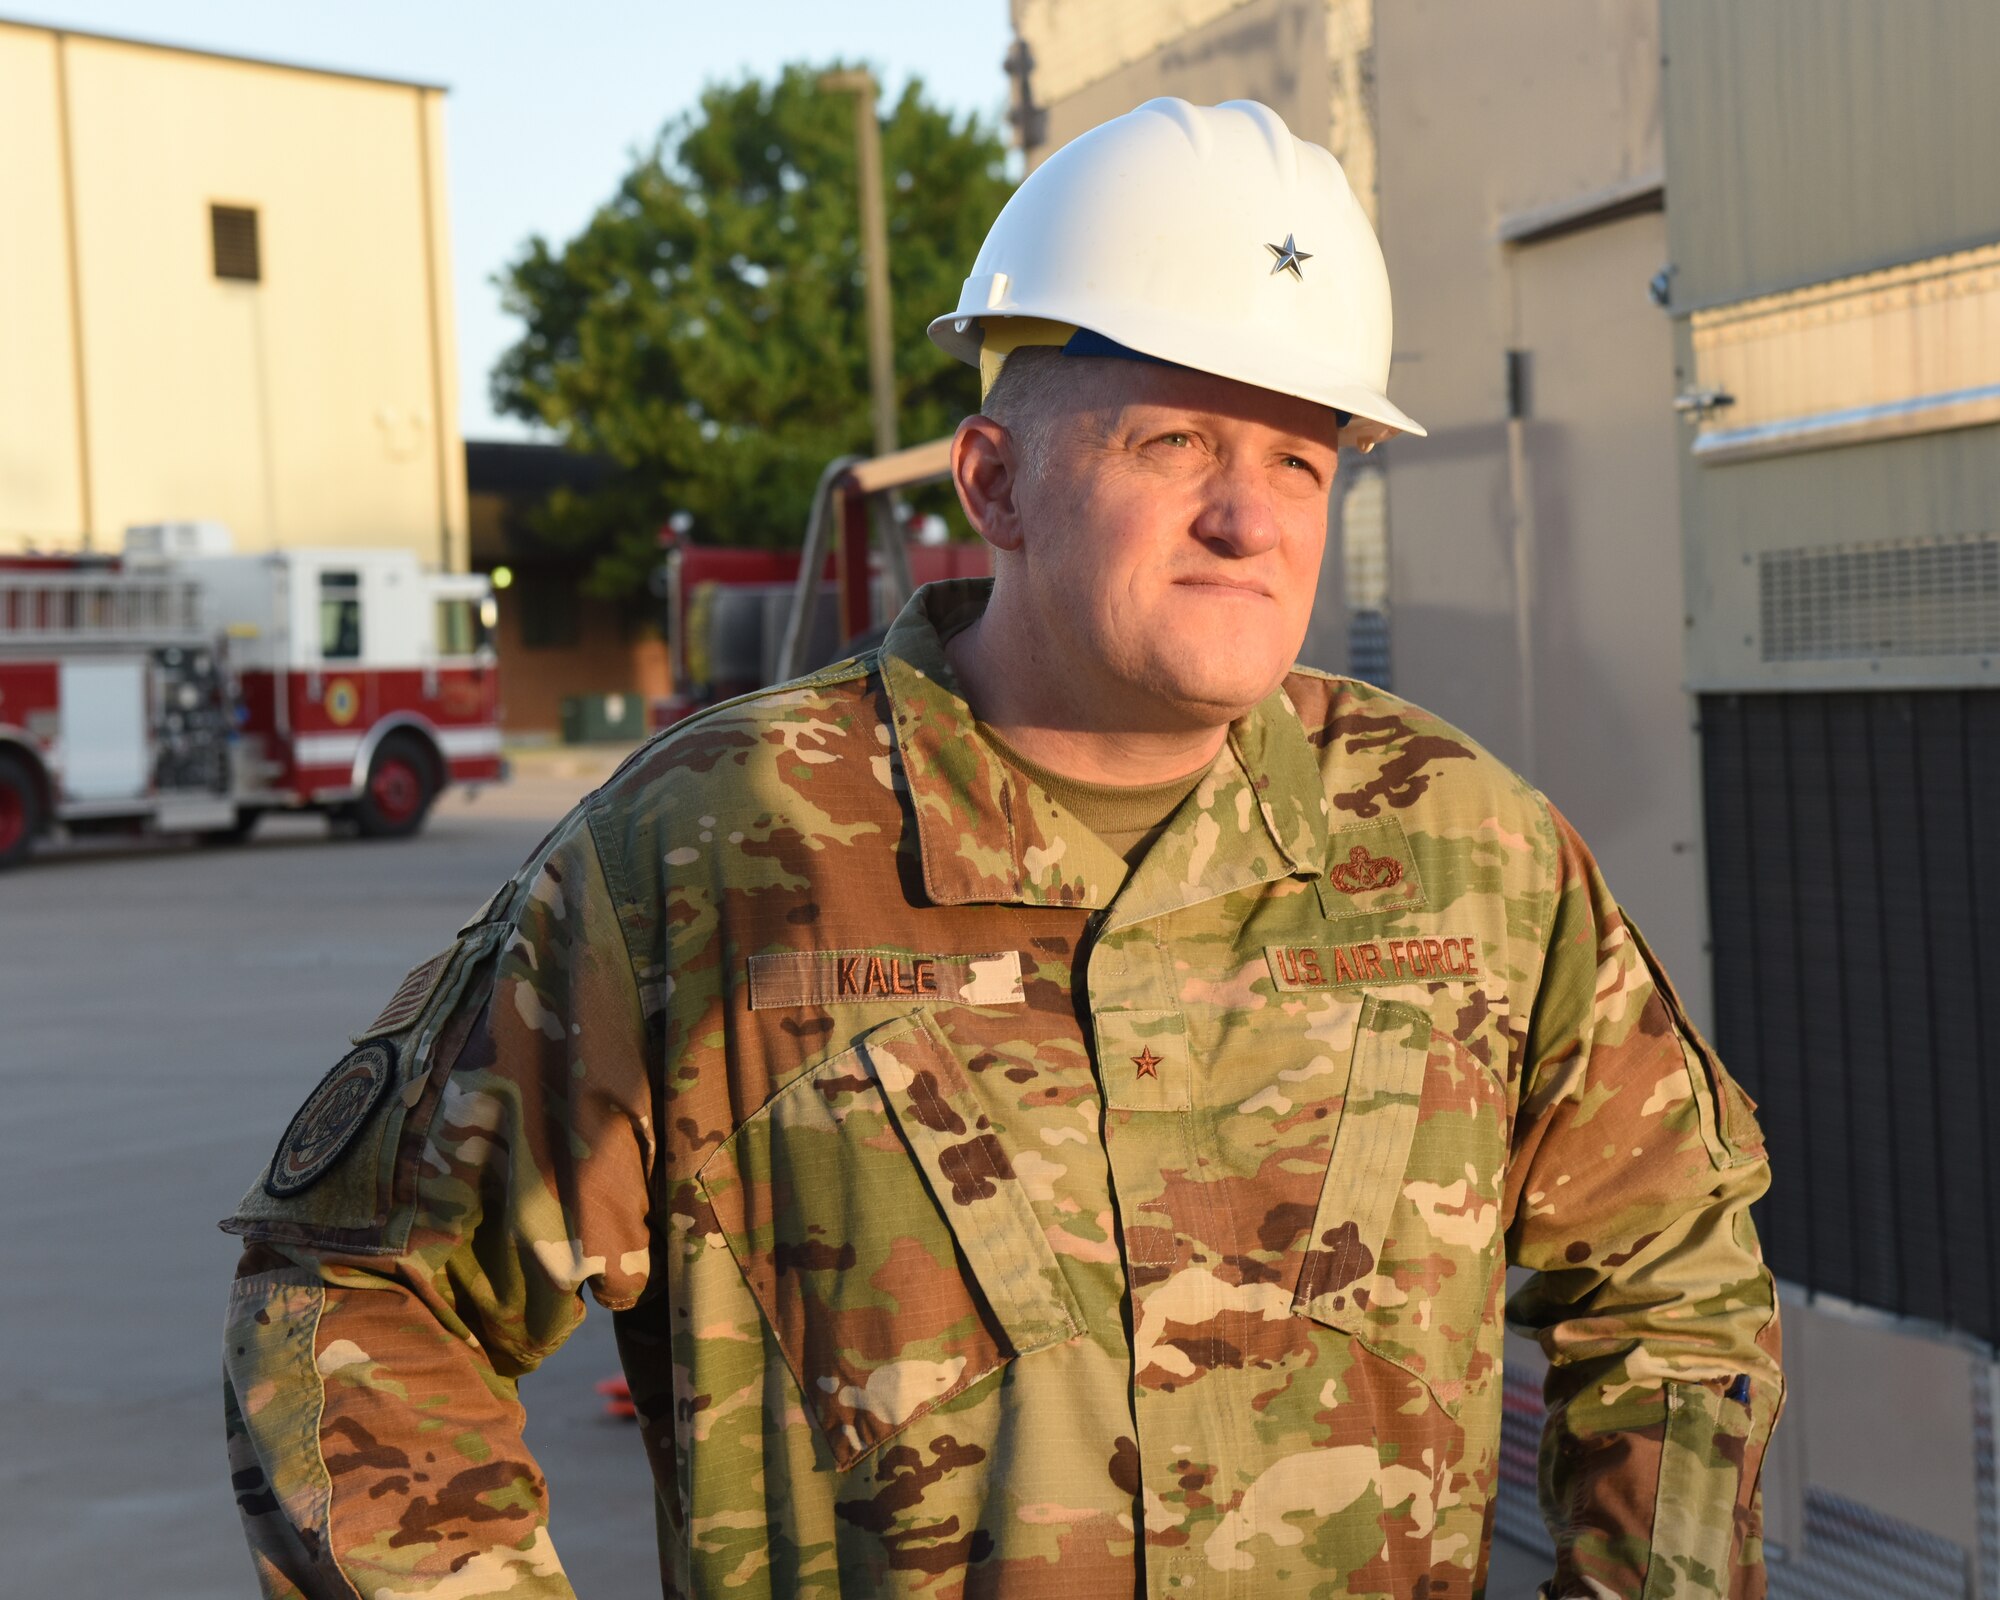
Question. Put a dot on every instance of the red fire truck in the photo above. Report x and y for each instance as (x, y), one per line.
(182, 687)
(739, 619)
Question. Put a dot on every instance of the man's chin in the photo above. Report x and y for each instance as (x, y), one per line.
(1196, 699)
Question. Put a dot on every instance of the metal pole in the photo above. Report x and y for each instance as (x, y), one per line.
(857, 608)
(874, 249)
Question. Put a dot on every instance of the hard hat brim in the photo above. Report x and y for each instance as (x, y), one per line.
(1224, 353)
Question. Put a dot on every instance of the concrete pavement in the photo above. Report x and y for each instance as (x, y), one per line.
(163, 1009)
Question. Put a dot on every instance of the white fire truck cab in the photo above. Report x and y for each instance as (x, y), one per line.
(182, 687)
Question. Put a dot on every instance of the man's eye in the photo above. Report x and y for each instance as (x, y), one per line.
(1177, 440)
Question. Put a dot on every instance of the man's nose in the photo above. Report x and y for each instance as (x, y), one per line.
(1238, 514)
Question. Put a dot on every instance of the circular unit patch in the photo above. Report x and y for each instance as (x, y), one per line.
(333, 1113)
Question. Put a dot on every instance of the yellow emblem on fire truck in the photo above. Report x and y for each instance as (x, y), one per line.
(342, 701)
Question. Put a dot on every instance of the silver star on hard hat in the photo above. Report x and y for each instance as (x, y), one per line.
(1289, 256)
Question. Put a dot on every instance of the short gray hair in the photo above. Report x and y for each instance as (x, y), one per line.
(1026, 399)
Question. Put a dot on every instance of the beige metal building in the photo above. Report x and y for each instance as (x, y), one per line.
(224, 295)
(1518, 572)
(1698, 302)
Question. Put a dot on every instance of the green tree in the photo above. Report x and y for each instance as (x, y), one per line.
(706, 330)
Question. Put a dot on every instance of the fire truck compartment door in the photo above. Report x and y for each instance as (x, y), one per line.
(104, 729)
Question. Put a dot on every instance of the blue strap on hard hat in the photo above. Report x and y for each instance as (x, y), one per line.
(1085, 342)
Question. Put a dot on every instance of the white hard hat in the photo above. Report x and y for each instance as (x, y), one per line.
(1203, 236)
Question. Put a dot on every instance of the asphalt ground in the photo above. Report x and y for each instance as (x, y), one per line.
(163, 1010)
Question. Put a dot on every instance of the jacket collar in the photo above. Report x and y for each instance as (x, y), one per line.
(989, 835)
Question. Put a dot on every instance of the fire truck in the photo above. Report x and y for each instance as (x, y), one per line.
(182, 687)
(738, 619)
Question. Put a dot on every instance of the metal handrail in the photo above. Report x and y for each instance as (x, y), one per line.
(805, 590)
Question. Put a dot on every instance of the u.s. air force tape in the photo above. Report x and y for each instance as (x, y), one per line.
(330, 1118)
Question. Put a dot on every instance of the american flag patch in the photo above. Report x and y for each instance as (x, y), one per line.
(411, 995)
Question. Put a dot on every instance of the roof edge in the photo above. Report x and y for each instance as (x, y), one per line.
(29, 24)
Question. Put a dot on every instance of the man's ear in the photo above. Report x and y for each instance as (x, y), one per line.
(986, 471)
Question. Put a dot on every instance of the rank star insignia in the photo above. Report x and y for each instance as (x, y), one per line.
(1147, 1063)
(1289, 258)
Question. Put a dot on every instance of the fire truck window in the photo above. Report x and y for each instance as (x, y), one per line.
(459, 629)
(339, 616)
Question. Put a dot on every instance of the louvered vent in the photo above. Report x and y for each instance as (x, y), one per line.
(1899, 598)
(1853, 1552)
(233, 230)
(1516, 1514)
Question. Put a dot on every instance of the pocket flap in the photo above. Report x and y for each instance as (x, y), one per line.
(1371, 1148)
(949, 1129)
(874, 1213)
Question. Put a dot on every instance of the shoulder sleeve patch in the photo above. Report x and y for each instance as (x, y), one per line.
(333, 1181)
(412, 994)
(332, 1114)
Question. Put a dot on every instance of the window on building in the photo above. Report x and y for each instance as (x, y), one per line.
(233, 232)
(551, 618)
(1364, 543)
(339, 616)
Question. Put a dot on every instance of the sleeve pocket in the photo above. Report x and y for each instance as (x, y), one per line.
(1728, 1116)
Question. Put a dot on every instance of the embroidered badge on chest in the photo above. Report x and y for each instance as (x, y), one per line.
(1361, 872)
(327, 1123)
(1369, 870)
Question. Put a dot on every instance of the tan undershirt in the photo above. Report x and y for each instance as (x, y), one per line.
(1127, 817)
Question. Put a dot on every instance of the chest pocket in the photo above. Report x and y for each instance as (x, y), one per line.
(1405, 1252)
(890, 1248)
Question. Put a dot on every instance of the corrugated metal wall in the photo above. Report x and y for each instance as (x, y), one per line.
(1811, 138)
(1854, 882)
(1808, 141)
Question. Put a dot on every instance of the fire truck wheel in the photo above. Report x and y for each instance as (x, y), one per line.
(20, 811)
(399, 790)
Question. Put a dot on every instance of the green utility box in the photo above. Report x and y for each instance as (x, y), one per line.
(603, 718)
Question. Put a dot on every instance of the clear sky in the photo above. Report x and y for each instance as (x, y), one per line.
(548, 103)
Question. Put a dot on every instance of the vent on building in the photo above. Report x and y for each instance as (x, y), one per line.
(1903, 598)
(1853, 1552)
(1516, 1513)
(1848, 1551)
(233, 231)
(1364, 543)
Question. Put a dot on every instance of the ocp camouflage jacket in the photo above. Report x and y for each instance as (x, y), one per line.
(978, 1219)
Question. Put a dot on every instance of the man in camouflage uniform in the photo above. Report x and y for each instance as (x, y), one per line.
(1050, 1103)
